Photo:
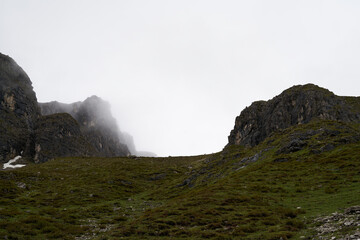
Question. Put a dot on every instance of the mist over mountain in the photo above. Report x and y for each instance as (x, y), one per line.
(129, 141)
(290, 169)
(253, 108)
(42, 131)
(96, 123)
(95, 118)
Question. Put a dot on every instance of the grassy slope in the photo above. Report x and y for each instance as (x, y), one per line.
(239, 193)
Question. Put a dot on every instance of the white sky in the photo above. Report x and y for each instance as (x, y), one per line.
(178, 72)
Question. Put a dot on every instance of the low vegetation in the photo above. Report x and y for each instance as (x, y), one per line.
(271, 191)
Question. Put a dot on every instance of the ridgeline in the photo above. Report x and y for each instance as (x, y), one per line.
(291, 170)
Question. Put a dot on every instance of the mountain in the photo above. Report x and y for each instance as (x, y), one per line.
(97, 124)
(270, 191)
(292, 175)
(83, 129)
(297, 105)
(290, 171)
(19, 111)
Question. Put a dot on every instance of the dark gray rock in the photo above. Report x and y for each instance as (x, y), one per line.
(159, 176)
(96, 123)
(281, 160)
(327, 147)
(18, 111)
(297, 105)
(190, 182)
(59, 135)
(248, 160)
(353, 210)
(251, 159)
(89, 130)
(293, 146)
(333, 226)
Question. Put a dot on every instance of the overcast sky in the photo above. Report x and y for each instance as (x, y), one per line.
(178, 72)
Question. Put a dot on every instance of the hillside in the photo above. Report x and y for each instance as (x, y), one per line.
(269, 191)
(291, 170)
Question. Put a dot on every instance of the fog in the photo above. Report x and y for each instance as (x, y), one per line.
(177, 73)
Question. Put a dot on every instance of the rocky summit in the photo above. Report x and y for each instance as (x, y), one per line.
(296, 105)
(96, 123)
(83, 129)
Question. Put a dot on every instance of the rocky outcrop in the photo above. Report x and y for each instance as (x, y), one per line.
(96, 123)
(18, 110)
(297, 105)
(82, 129)
(342, 226)
(59, 135)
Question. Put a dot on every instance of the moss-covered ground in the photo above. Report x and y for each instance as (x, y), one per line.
(266, 192)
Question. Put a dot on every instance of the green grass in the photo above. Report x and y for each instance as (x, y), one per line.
(218, 196)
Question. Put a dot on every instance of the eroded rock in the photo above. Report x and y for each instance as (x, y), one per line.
(18, 111)
(297, 105)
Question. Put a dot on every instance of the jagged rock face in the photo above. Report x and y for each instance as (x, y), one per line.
(297, 105)
(23, 131)
(18, 110)
(59, 135)
(96, 124)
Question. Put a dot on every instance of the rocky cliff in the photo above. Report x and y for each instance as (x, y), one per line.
(95, 119)
(297, 105)
(59, 135)
(96, 123)
(18, 111)
(83, 129)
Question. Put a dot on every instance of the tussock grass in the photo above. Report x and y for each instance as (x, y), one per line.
(219, 196)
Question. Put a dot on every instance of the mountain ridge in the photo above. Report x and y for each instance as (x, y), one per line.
(24, 131)
(94, 114)
(96, 123)
(270, 191)
(297, 105)
(291, 165)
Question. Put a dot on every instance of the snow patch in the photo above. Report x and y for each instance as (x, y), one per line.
(8, 164)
